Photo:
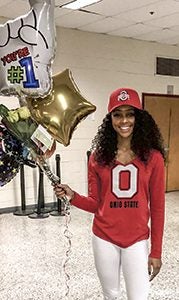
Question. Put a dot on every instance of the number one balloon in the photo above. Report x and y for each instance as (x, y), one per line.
(27, 50)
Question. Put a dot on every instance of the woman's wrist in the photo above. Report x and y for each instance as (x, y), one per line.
(70, 197)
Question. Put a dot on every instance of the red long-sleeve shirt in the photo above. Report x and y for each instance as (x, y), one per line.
(123, 198)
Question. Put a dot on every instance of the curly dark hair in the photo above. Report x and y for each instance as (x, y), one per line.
(146, 136)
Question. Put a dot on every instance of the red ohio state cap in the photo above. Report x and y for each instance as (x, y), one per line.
(124, 96)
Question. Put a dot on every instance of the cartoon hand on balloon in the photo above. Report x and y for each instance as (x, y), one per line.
(27, 48)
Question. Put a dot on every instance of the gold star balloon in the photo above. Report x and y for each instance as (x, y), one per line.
(62, 110)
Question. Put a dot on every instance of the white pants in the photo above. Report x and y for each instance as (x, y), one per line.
(110, 259)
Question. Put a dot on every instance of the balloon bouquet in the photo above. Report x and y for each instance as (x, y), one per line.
(50, 106)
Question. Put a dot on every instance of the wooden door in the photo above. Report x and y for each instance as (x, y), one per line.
(165, 111)
(159, 108)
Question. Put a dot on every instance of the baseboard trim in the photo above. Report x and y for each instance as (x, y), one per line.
(7, 210)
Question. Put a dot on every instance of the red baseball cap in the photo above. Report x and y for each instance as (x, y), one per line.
(124, 96)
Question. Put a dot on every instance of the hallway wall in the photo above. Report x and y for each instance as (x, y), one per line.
(99, 64)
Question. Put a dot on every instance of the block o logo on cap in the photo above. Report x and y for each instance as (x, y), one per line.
(123, 96)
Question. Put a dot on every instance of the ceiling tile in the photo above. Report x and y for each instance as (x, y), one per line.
(133, 30)
(3, 20)
(76, 19)
(61, 2)
(106, 25)
(158, 35)
(166, 21)
(14, 9)
(61, 12)
(2, 2)
(175, 28)
(160, 8)
(113, 7)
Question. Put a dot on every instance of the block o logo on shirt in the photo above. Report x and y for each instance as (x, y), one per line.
(132, 181)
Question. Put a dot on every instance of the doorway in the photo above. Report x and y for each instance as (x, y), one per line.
(165, 111)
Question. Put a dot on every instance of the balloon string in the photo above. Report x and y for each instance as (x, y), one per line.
(68, 236)
(45, 167)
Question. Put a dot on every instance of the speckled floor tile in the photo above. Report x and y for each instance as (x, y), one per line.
(33, 253)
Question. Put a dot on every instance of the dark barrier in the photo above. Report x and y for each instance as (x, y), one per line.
(23, 211)
(41, 211)
(59, 211)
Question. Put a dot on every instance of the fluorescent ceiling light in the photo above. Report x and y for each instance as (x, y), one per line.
(77, 4)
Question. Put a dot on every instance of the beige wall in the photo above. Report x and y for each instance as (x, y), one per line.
(99, 64)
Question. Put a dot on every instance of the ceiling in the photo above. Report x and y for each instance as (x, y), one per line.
(148, 20)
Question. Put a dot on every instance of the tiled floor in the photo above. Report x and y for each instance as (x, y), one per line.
(33, 253)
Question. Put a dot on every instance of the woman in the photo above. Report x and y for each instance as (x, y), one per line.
(126, 190)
